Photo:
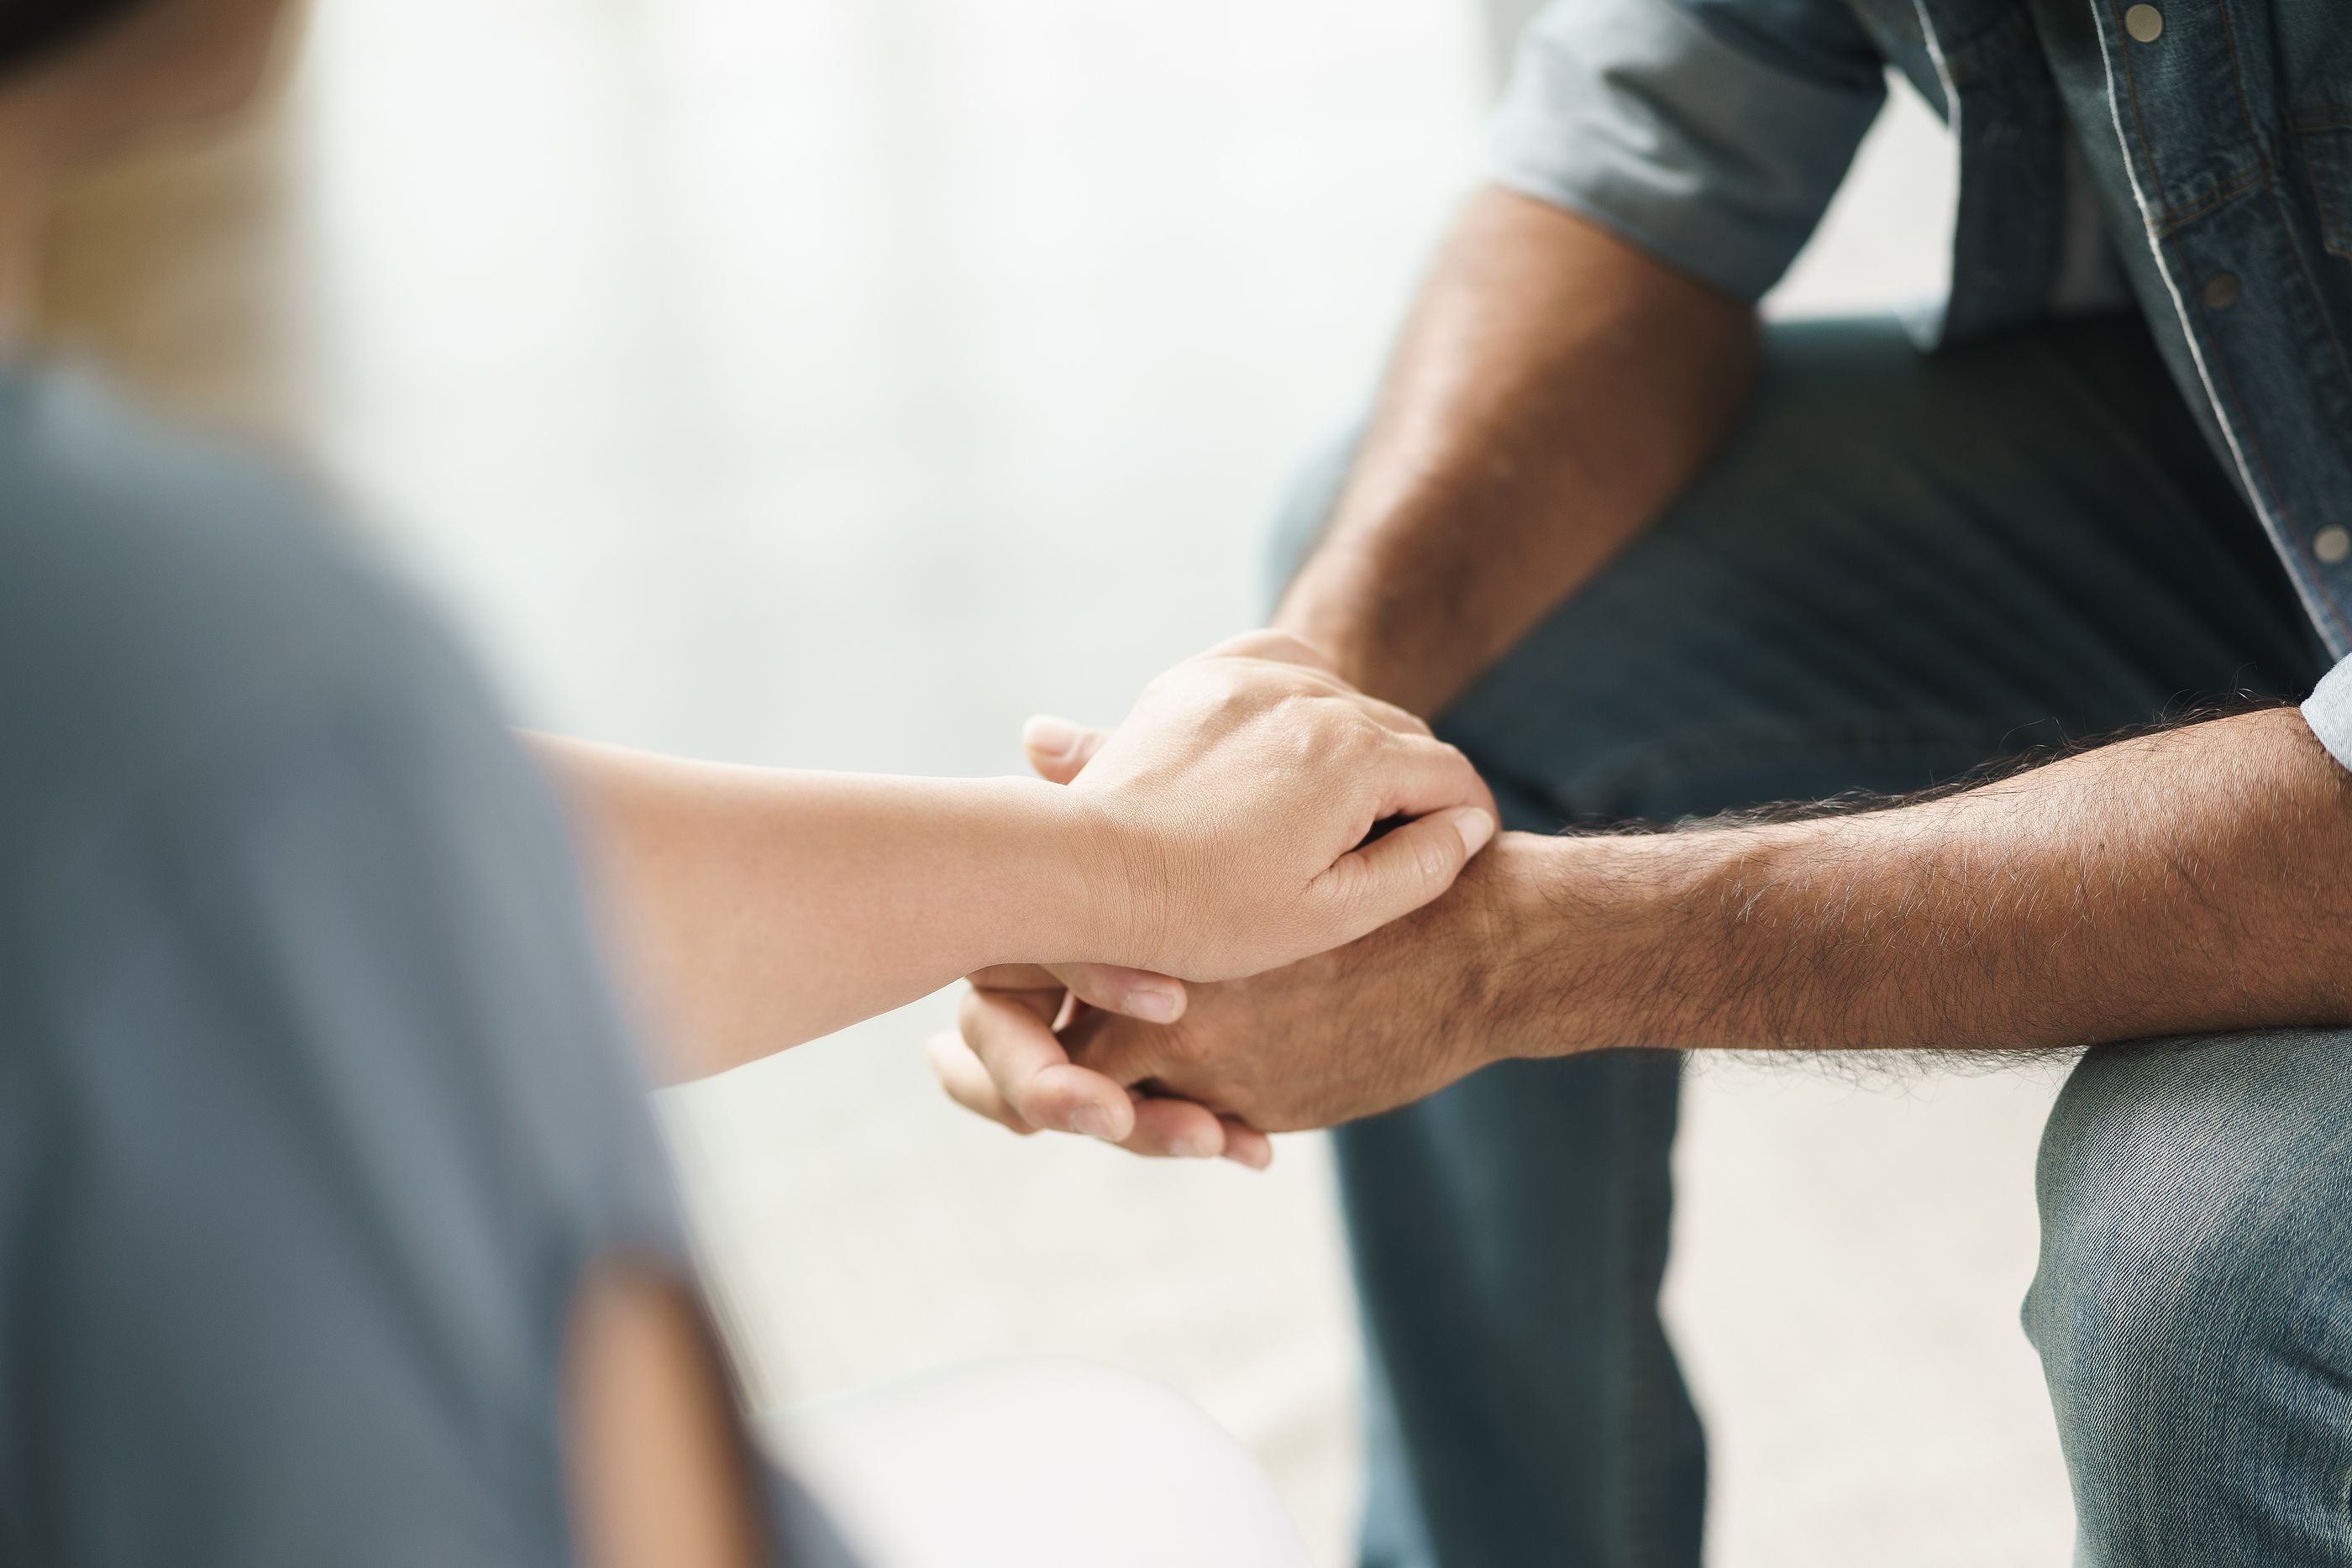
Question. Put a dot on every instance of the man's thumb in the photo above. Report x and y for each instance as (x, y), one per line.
(1058, 749)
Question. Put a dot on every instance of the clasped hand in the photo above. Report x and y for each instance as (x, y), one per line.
(1240, 798)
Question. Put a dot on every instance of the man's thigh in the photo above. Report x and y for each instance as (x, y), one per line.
(1899, 567)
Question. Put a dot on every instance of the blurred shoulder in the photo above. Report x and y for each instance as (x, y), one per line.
(170, 599)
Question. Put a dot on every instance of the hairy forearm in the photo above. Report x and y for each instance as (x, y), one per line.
(2190, 881)
(1553, 391)
(757, 908)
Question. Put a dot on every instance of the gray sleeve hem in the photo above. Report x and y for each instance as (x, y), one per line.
(2328, 711)
(1669, 246)
(1633, 114)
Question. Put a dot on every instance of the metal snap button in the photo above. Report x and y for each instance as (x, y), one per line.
(2220, 291)
(2331, 544)
(2145, 23)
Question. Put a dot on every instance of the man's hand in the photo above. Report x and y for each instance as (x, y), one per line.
(1029, 1083)
(1390, 1018)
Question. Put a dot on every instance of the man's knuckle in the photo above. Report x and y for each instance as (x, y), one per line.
(1179, 1047)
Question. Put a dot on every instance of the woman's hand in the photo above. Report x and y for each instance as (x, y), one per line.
(1217, 835)
(1235, 805)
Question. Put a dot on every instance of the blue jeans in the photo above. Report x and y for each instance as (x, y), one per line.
(1899, 568)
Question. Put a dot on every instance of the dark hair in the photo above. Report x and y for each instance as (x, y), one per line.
(29, 26)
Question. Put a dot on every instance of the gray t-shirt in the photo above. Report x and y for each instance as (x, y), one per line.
(314, 1101)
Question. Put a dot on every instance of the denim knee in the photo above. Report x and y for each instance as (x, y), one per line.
(2192, 1303)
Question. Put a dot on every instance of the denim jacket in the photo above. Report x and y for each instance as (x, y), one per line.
(2193, 154)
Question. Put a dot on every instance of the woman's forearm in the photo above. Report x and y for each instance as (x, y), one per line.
(1225, 829)
(757, 908)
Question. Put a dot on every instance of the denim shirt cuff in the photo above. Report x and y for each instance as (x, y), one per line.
(1632, 114)
(2328, 711)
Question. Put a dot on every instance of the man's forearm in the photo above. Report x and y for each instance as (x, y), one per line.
(1554, 389)
(2190, 881)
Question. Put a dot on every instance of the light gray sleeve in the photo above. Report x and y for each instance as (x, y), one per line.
(2328, 711)
(1711, 133)
(314, 1099)
(326, 1109)
(306, 1155)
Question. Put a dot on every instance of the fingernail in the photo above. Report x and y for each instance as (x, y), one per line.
(1475, 827)
(1049, 737)
(1192, 1146)
(1095, 1122)
(1155, 1004)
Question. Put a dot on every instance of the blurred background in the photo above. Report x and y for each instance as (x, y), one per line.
(835, 382)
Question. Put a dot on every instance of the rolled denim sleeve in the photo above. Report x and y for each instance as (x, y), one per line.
(1711, 133)
(2328, 711)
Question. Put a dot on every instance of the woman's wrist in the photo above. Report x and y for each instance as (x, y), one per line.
(1067, 891)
